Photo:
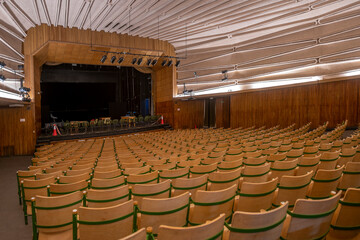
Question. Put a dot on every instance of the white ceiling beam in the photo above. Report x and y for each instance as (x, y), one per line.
(46, 11)
(12, 71)
(11, 47)
(11, 59)
(86, 14)
(36, 11)
(19, 27)
(78, 13)
(11, 33)
(58, 9)
(66, 21)
(110, 6)
(22, 13)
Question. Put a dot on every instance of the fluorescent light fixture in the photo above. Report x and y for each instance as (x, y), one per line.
(351, 73)
(9, 95)
(256, 85)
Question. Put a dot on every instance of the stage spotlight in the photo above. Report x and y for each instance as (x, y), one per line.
(169, 63)
(2, 78)
(2, 64)
(139, 61)
(134, 61)
(103, 59)
(121, 59)
(148, 62)
(163, 63)
(113, 58)
(177, 63)
(24, 89)
(154, 62)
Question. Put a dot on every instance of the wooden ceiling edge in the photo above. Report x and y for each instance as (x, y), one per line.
(337, 79)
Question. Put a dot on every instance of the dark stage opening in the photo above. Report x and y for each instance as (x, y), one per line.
(75, 92)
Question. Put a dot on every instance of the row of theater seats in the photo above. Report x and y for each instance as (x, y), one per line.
(111, 163)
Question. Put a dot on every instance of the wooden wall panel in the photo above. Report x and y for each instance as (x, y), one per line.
(15, 136)
(187, 114)
(316, 103)
(222, 109)
(167, 110)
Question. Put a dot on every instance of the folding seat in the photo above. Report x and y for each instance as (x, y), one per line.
(52, 216)
(73, 178)
(234, 151)
(285, 148)
(166, 166)
(254, 161)
(20, 175)
(298, 144)
(284, 168)
(156, 162)
(48, 175)
(311, 151)
(310, 219)
(66, 188)
(270, 151)
(106, 223)
(222, 180)
(271, 158)
(140, 234)
(188, 163)
(346, 155)
(140, 170)
(261, 225)
(294, 153)
(328, 160)
(171, 211)
(199, 170)
(108, 174)
(256, 173)
(229, 158)
(173, 173)
(146, 178)
(346, 222)
(324, 182)
(291, 188)
(199, 156)
(308, 164)
(80, 166)
(107, 183)
(156, 190)
(107, 197)
(89, 171)
(253, 154)
(210, 230)
(181, 185)
(350, 177)
(107, 168)
(325, 147)
(250, 148)
(357, 155)
(132, 165)
(30, 188)
(255, 196)
(209, 204)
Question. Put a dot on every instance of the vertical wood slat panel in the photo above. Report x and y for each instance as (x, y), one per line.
(190, 113)
(317, 103)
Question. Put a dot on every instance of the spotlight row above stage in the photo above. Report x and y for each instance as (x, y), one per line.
(138, 61)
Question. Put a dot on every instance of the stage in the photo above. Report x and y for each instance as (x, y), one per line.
(48, 139)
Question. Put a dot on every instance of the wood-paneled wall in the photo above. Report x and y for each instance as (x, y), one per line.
(187, 114)
(14, 135)
(332, 101)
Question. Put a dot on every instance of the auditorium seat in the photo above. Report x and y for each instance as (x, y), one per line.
(261, 225)
(310, 219)
(52, 216)
(256, 173)
(20, 175)
(145, 178)
(136, 171)
(291, 188)
(226, 166)
(325, 182)
(108, 174)
(107, 197)
(255, 196)
(66, 188)
(47, 175)
(181, 185)
(170, 211)
(106, 223)
(73, 178)
(308, 164)
(254, 161)
(31, 188)
(271, 158)
(350, 177)
(138, 235)
(200, 170)
(222, 180)
(284, 168)
(328, 160)
(346, 221)
(207, 205)
(188, 163)
(210, 230)
(346, 155)
(173, 173)
(156, 190)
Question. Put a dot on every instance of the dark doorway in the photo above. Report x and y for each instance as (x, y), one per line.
(210, 115)
(74, 92)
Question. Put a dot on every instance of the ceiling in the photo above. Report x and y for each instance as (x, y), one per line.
(220, 42)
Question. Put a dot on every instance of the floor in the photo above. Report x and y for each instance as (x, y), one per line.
(12, 225)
